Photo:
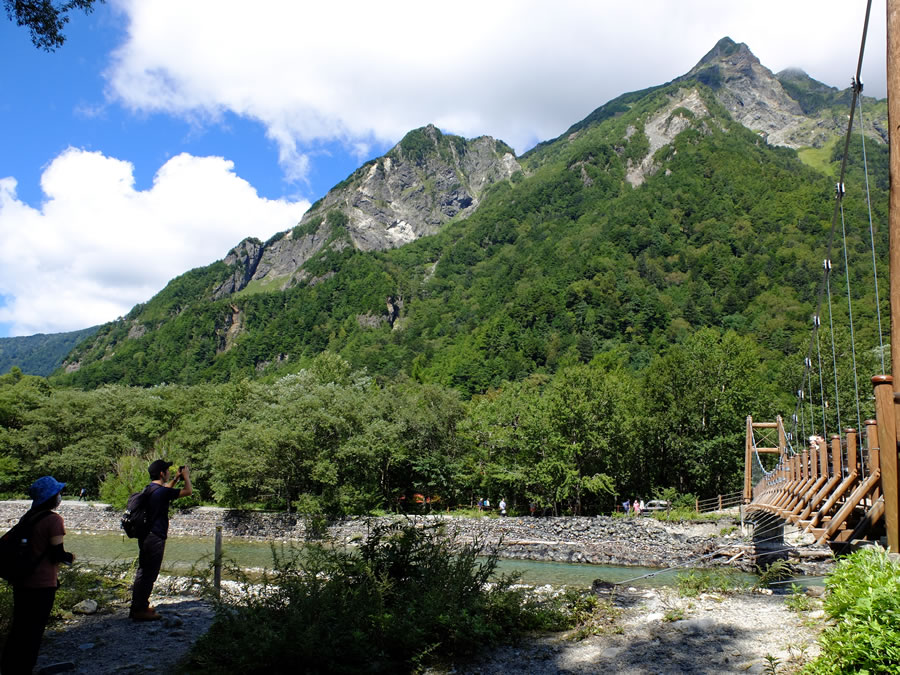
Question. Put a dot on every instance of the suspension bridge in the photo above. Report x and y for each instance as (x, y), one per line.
(828, 472)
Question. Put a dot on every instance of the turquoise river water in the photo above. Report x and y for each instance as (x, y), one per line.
(184, 553)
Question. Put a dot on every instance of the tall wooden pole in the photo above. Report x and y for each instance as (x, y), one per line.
(888, 452)
(887, 439)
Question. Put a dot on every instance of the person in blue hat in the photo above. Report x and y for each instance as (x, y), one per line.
(33, 596)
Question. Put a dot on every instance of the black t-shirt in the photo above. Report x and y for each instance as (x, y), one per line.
(158, 508)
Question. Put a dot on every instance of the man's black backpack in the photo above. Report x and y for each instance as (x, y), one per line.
(17, 556)
(136, 519)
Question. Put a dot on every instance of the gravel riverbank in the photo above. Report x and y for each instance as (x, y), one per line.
(657, 632)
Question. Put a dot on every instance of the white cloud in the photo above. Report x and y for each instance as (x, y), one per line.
(522, 71)
(96, 246)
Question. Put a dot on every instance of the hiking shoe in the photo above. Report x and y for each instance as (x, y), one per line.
(144, 615)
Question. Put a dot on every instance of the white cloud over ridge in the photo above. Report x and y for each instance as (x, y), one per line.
(522, 71)
(96, 246)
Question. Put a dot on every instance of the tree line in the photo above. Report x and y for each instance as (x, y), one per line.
(333, 440)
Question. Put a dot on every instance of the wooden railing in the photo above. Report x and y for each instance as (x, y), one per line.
(838, 490)
(718, 502)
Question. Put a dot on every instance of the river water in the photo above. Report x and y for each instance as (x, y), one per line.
(185, 553)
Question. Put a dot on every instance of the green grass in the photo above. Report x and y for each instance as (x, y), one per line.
(693, 583)
(819, 158)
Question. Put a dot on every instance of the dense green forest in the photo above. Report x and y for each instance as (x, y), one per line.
(575, 342)
(39, 354)
(331, 439)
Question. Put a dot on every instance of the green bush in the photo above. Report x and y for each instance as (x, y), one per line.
(407, 596)
(863, 600)
(693, 583)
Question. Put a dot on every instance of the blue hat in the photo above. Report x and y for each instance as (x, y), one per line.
(43, 489)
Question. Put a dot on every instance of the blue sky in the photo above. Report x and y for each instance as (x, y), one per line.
(162, 133)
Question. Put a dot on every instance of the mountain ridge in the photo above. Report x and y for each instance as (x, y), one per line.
(354, 290)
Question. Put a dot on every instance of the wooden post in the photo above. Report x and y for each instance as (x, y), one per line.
(851, 450)
(872, 441)
(887, 441)
(748, 462)
(217, 570)
(720, 502)
(893, 90)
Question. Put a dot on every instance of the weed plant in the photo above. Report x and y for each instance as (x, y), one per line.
(406, 597)
(863, 601)
(693, 583)
(798, 601)
(774, 572)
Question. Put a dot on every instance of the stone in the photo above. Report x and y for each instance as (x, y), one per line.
(86, 606)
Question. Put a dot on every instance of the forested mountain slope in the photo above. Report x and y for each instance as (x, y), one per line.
(655, 216)
(39, 354)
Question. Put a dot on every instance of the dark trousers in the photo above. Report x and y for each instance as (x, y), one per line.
(152, 548)
(31, 610)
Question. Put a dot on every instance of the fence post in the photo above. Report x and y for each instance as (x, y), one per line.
(887, 441)
(217, 569)
(720, 502)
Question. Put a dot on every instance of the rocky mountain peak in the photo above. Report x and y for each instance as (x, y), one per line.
(728, 49)
(423, 182)
(749, 91)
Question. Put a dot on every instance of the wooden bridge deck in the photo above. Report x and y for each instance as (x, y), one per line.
(838, 490)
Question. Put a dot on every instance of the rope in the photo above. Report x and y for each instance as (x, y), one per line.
(821, 380)
(850, 310)
(814, 338)
(837, 400)
(871, 233)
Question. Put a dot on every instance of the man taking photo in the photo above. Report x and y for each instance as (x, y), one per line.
(160, 493)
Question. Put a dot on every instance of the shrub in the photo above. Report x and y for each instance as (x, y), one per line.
(693, 583)
(408, 595)
(863, 600)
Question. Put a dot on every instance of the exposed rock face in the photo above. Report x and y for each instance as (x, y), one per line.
(662, 128)
(244, 258)
(749, 90)
(790, 109)
(419, 185)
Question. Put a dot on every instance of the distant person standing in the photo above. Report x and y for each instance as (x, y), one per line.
(82, 496)
(33, 596)
(502, 506)
(152, 546)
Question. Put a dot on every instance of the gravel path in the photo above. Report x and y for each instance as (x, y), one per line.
(110, 643)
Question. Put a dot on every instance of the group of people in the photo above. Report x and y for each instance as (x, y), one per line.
(485, 505)
(33, 596)
(635, 506)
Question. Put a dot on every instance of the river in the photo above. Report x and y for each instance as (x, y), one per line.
(185, 553)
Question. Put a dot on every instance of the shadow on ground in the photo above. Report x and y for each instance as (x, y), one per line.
(111, 643)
